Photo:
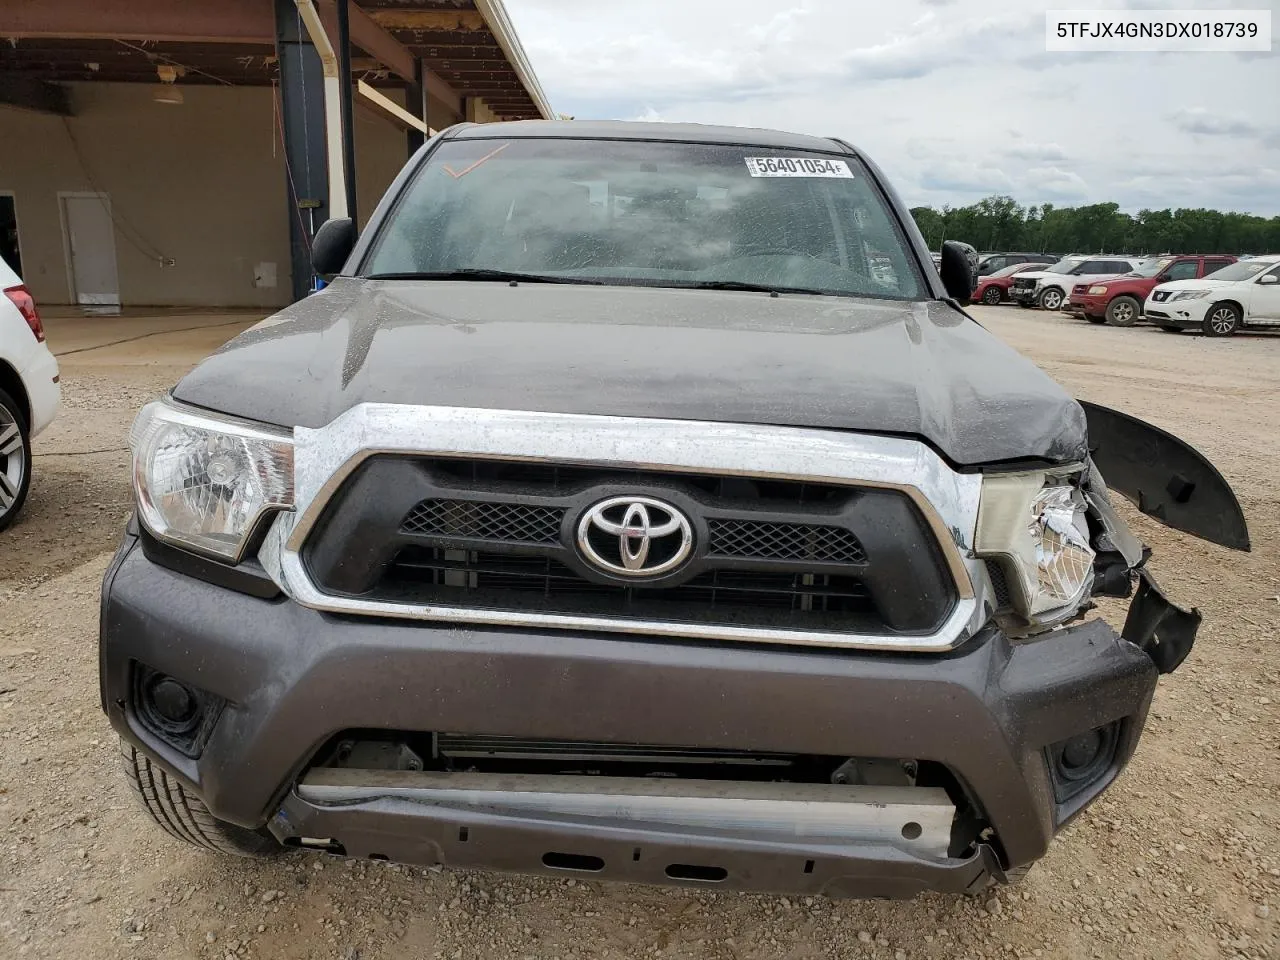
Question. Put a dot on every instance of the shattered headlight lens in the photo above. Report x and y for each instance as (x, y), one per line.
(203, 481)
(1036, 526)
(1189, 295)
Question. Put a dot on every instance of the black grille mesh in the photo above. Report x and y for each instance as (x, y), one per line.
(764, 540)
(478, 520)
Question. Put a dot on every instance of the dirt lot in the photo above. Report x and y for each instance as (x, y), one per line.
(1181, 860)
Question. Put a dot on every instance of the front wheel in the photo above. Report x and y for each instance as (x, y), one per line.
(184, 815)
(1123, 312)
(1051, 299)
(992, 295)
(15, 459)
(1222, 320)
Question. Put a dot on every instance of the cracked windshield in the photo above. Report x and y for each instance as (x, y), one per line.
(652, 214)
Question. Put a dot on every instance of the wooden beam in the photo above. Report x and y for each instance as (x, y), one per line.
(439, 20)
(387, 108)
(227, 21)
(37, 95)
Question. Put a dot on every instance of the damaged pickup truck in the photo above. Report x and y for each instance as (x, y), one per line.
(638, 502)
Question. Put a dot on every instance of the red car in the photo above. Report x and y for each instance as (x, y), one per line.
(1118, 302)
(994, 288)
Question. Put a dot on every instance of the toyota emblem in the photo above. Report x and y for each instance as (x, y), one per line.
(635, 536)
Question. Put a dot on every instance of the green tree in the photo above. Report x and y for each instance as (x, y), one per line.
(999, 223)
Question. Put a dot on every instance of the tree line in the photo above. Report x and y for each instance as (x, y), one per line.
(999, 223)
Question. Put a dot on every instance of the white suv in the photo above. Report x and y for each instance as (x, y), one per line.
(1048, 288)
(29, 390)
(1242, 295)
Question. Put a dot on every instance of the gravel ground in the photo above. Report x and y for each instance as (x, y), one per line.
(1180, 860)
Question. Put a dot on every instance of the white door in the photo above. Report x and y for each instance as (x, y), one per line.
(1264, 300)
(91, 245)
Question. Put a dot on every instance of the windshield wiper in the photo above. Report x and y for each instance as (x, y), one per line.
(479, 274)
(728, 285)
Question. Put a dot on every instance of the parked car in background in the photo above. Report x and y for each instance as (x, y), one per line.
(989, 263)
(1048, 288)
(1243, 295)
(1119, 302)
(29, 390)
(994, 289)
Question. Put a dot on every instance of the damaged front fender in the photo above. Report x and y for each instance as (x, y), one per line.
(1162, 629)
(1166, 477)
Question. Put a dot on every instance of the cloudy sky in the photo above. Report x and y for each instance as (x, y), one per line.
(955, 99)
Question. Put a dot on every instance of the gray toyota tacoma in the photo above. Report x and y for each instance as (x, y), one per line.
(638, 502)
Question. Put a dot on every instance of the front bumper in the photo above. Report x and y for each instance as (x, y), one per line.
(1084, 305)
(1183, 314)
(1023, 295)
(292, 678)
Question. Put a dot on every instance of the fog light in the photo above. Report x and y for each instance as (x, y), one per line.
(176, 712)
(173, 701)
(1079, 752)
(1080, 762)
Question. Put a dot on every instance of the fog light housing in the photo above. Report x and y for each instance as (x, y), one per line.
(1081, 761)
(174, 711)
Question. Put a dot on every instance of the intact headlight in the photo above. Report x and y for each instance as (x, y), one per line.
(204, 481)
(1095, 291)
(1036, 527)
(1189, 295)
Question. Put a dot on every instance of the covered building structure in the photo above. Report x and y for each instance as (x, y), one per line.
(184, 153)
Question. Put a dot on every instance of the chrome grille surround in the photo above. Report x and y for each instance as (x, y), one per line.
(324, 458)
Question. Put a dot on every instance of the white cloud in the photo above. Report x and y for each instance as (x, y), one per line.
(954, 99)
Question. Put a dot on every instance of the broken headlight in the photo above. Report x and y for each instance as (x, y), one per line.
(1035, 526)
(203, 481)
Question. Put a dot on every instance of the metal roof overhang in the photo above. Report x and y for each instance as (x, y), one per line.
(469, 48)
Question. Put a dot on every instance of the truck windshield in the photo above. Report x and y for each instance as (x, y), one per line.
(646, 213)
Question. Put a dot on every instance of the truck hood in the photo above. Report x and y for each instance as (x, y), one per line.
(919, 369)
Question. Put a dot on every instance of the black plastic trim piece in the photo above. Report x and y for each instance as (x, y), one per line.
(247, 577)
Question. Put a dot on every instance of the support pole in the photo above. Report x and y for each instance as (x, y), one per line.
(333, 84)
(303, 123)
(415, 101)
(344, 91)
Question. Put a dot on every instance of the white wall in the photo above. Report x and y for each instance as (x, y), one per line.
(202, 183)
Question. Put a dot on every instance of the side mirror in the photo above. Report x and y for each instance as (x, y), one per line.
(959, 270)
(1268, 278)
(331, 246)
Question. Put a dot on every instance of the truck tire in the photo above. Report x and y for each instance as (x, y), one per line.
(1013, 877)
(185, 816)
(1123, 311)
(1051, 299)
(1222, 320)
(15, 464)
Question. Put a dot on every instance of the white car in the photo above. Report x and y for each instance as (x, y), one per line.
(1244, 295)
(1049, 288)
(29, 390)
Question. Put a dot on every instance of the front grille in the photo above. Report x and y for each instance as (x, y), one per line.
(482, 520)
(509, 581)
(784, 541)
(499, 535)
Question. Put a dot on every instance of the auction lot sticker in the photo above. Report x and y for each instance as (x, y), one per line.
(798, 167)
